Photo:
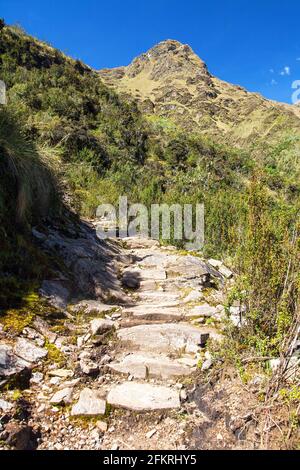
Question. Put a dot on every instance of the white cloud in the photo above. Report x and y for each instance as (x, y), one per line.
(271, 70)
(286, 71)
(298, 58)
(273, 82)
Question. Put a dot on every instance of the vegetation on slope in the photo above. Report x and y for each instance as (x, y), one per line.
(104, 148)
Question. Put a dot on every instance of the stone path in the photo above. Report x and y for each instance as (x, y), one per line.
(133, 350)
(166, 345)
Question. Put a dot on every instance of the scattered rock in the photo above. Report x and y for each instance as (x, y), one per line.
(12, 366)
(63, 396)
(5, 405)
(225, 272)
(18, 436)
(215, 263)
(62, 373)
(106, 359)
(193, 296)
(43, 328)
(208, 362)
(101, 326)
(32, 334)
(130, 280)
(88, 367)
(29, 351)
(37, 378)
(151, 433)
(89, 404)
(102, 426)
(115, 447)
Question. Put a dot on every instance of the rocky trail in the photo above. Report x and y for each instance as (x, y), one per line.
(126, 369)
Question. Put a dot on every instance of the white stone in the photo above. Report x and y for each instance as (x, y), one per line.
(193, 296)
(62, 373)
(5, 405)
(145, 365)
(62, 396)
(167, 337)
(36, 378)
(143, 397)
(215, 263)
(29, 351)
(225, 272)
(151, 433)
(100, 326)
(89, 404)
(204, 310)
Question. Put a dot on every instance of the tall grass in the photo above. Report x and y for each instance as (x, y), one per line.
(27, 173)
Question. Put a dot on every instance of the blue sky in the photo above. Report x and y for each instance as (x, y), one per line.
(254, 43)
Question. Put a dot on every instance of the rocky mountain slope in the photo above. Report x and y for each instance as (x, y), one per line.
(116, 344)
(114, 361)
(170, 80)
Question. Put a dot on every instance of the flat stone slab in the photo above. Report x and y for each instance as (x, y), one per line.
(155, 260)
(143, 397)
(29, 351)
(143, 366)
(188, 266)
(204, 310)
(168, 311)
(159, 296)
(92, 306)
(89, 404)
(146, 274)
(136, 243)
(165, 337)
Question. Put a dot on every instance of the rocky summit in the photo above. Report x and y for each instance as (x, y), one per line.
(171, 81)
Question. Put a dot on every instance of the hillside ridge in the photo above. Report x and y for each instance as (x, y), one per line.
(170, 80)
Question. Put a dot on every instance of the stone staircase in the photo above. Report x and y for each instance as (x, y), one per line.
(164, 346)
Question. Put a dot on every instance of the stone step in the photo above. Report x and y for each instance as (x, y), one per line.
(137, 243)
(143, 366)
(167, 312)
(166, 337)
(204, 310)
(143, 397)
(152, 296)
(145, 274)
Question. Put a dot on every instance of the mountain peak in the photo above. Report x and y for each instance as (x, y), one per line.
(169, 57)
(171, 81)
